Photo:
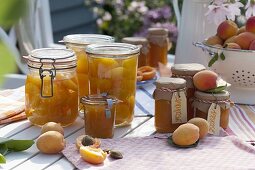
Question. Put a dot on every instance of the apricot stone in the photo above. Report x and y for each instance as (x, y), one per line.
(232, 45)
(244, 40)
(250, 24)
(186, 134)
(227, 29)
(202, 124)
(214, 40)
(205, 80)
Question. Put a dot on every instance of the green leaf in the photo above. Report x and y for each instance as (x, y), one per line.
(19, 145)
(3, 149)
(222, 56)
(2, 159)
(217, 89)
(3, 140)
(171, 142)
(213, 60)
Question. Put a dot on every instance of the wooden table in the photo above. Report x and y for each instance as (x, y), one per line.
(33, 159)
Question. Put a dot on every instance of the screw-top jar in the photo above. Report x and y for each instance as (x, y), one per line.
(213, 107)
(187, 71)
(51, 89)
(145, 50)
(99, 115)
(159, 46)
(78, 43)
(170, 104)
(112, 70)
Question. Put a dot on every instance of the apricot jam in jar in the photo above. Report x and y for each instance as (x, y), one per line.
(203, 102)
(78, 43)
(145, 50)
(170, 104)
(159, 46)
(112, 70)
(51, 89)
(187, 71)
(99, 115)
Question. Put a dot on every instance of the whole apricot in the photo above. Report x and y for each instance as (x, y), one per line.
(205, 80)
(241, 30)
(244, 40)
(252, 45)
(202, 124)
(186, 134)
(230, 40)
(214, 40)
(52, 126)
(50, 142)
(232, 45)
(227, 29)
(250, 24)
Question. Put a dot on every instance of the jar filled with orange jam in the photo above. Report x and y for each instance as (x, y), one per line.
(144, 51)
(203, 102)
(170, 104)
(159, 46)
(78, 43)
(112, 70)
(99, 115)
(51, 89)
(187, 71)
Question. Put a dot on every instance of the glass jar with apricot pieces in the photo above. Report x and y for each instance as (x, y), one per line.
(78, 43)
(203, 101)
(51, 88)
(187, 71)
(113, 70)
(99, 115)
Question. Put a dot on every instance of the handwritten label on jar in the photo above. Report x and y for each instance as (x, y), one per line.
(213, 119)
(179, 107)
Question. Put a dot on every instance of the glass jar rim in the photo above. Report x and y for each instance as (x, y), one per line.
(96, 99)
(60, 57)
(86, 39)
(112, 49)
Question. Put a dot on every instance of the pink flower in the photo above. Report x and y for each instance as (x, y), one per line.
(234, 8)
(250, 8)
(217, 13)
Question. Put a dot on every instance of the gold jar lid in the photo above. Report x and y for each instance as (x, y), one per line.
(189, 69)
(171, 83)
(158, 31)
(224, 95)
(135, 40)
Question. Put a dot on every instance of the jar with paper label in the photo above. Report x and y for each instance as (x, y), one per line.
(99, 115)
(78, 43)
(159, 46)
(113, 70)
(51, 89)
(144, 50)
(187, 71)
(214, 107)
(170, 104)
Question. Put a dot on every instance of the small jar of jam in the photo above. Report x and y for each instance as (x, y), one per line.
(99, 115)
(203, 102)
(170, 104)
(144, 51)
(187, 71)
(159, 46)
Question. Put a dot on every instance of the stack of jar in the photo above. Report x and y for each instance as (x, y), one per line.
(173, 109)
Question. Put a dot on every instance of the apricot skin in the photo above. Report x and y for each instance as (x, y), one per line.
(186, 134)
(227, 29)
(205, 80)
(250, 24)
(214, 40)
(244, 40)
(252, 45)
(202, 124)
(232, 45)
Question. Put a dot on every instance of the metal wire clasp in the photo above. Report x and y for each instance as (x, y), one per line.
(43, 73)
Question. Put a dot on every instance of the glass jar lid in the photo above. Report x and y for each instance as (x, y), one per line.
(86, 39)
(135, 40)
(158, 31)
(47, 57)
(189, 69)
(98, 99)
(224, 95)
(170, 83)
(111, 50)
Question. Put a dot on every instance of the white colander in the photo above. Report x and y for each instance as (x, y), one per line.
(238, 69)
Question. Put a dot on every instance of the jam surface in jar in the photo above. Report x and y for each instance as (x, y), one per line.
(163, 95)
(112, 70)
(51, 88)
(187, 71)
